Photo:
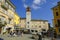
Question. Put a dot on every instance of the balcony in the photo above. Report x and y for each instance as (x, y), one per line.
(7, 13)
(2, 22)
(3, 11)
(4, 6)
(11, 16)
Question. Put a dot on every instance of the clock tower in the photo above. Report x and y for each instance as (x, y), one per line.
(28, 18)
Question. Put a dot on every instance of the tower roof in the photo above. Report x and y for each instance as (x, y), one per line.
(28, 9)
(59, 3)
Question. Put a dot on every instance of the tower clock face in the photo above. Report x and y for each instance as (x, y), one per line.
(28, 13)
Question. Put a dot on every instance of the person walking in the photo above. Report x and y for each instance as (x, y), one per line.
(40, 36)
(11, 33)
(21, 33)
(14, 34)
(36, 37)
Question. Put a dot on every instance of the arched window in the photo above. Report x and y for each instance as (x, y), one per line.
(39, 26)
(32, 30)
(57, 14)
(58, 21)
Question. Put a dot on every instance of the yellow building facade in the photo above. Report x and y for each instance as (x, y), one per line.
(16, 19)
(56, 20)
(7, 12)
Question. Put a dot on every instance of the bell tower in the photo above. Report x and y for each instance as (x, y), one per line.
(28, 17)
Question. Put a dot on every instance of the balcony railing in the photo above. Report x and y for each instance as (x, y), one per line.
(4, 6)
(10, 15)
(3, 11)
(6, 12)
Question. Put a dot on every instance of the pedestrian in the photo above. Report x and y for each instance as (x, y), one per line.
(18, 34)
(11, 33)
(54, 36)
(14, 33)
(21, 33)
(36, 37)
(40, 36)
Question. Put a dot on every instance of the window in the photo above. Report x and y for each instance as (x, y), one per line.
(56, 25)
(2, 19)
(59, 29)
(57, 14)
(9, 6)
(58, 21)
(56, 9)
(9, 20)
(32, 30)
(6, 4)
(5, 12)
(39, 26)
(28, 22)
(13, 9)
(43, 30)
(44, 22)
(32, 26)
(36, 31)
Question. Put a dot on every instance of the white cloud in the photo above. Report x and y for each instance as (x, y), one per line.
(35, 7)
(23, 0)
(25, 5)
(54, 3)
(37, 2)
(44, 0)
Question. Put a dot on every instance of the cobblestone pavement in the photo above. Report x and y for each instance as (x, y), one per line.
(24, 37)
(50, 39)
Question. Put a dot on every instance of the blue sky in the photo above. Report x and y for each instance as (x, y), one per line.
(40, 9)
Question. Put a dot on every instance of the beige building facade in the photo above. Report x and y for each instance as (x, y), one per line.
(36, 25)
(22, 22)
(33, 25)
(39, 25)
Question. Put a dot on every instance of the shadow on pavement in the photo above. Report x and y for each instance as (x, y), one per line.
(1, 39)
(31, 37)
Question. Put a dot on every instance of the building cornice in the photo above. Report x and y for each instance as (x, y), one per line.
(38, 20)
(22, 18)
(58, 4)
(2, 14)
(11, 3)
